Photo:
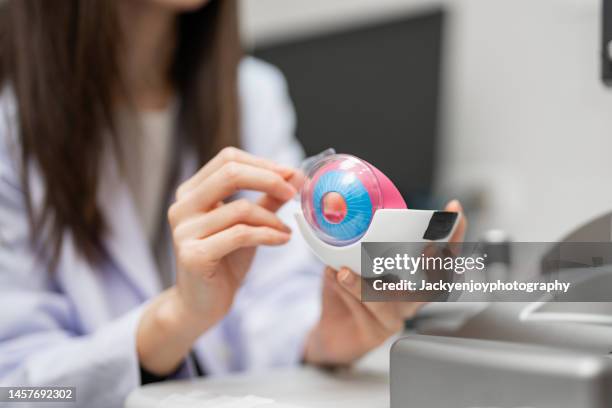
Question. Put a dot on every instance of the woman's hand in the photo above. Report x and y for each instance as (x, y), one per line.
(214, 244)
(348, 327)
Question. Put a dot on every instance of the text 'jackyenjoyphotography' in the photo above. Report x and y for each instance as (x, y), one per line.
(472, 286)
(473, 271)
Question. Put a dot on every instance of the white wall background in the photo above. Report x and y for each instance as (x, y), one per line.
(528, 125)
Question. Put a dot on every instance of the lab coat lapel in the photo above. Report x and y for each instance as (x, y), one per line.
(74, 274)
(125, 240)
(77, 278)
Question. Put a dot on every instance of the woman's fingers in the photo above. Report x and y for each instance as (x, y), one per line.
(270, 203)
(365, 320)
(228, 155)
(273, 204)
(459, 233)
(226, 181)
(237, 176)
(385, 312)
(225, 216)
(211, 250)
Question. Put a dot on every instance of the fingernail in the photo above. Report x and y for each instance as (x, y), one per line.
(286, 228)
(284, 170)
(346, 277)
(454, 203)
(291, 192)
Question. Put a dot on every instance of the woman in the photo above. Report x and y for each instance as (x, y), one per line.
(116, 118)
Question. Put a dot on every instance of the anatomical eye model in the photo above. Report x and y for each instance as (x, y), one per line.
(346, 200)
(340, 195)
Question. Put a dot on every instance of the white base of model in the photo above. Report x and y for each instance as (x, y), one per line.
(387, 226)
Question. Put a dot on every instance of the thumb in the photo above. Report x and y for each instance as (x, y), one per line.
(459, 233)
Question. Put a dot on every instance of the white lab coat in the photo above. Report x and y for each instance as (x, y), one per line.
(77, 327)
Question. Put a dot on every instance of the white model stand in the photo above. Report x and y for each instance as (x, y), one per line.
(387, 226)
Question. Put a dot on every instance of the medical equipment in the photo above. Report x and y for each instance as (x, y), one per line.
(346, 200)
(432, 371)
(551, 353)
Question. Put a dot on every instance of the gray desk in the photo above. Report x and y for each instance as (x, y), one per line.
(366, 385)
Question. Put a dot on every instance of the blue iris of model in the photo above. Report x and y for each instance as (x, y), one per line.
(358, 215)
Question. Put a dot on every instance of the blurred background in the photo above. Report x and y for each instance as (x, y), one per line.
(496, 102)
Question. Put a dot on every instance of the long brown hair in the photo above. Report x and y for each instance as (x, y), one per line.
(60, 60)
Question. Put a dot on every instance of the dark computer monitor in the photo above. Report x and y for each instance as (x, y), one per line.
(372, 91)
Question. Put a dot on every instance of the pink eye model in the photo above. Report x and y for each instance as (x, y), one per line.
(340, 195)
